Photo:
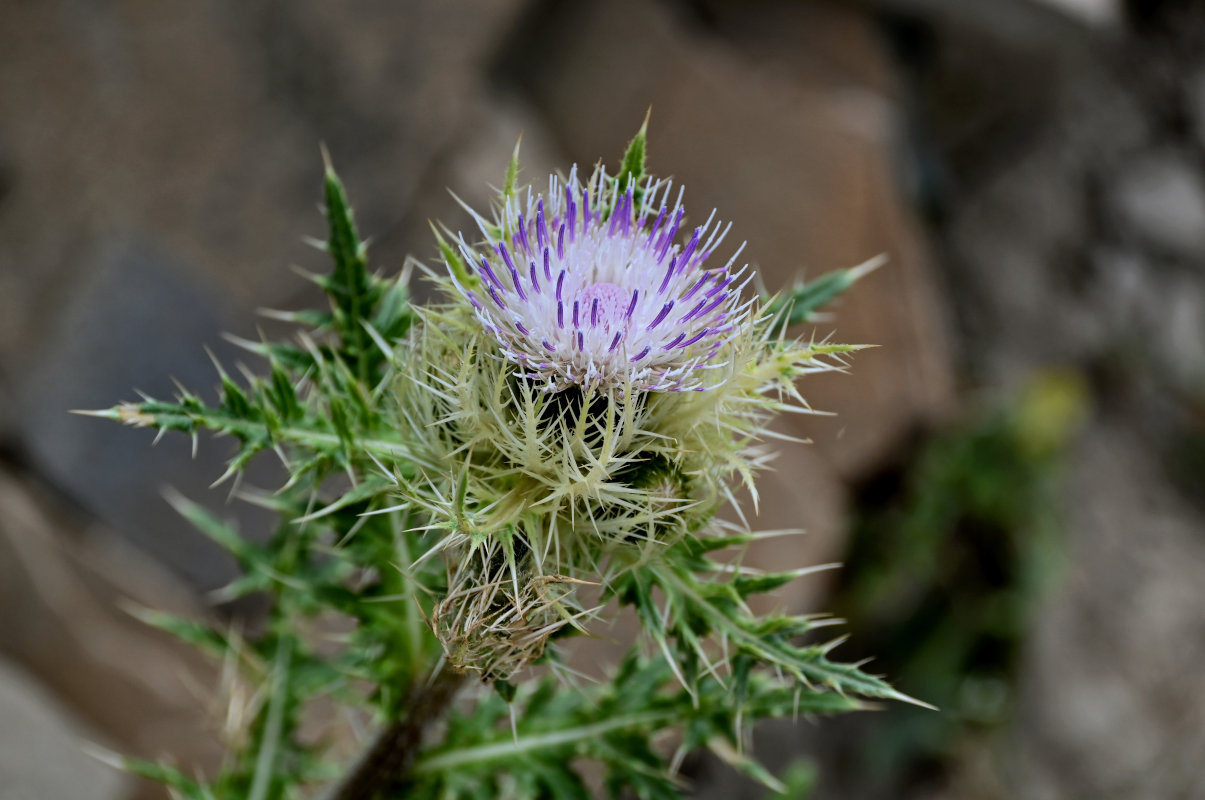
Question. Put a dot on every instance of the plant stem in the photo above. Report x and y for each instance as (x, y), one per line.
(384, 768)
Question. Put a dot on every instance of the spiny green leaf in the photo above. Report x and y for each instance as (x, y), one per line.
(352, 292)
(612, 723)
(234, 400)
(632, 168)
(393, 316)
(198, 634)
(308, 317)
(505, 690)
(746, 585)
(282, 395)
(693, 607)
(512, 172)
(167, 775)
(219, 531)
(453, 260)
(311, 432)
(804, 301)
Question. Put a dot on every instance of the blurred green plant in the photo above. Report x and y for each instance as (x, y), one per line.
(950, 554)
(378, 528)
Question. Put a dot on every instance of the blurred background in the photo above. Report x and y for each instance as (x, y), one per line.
(1014, 478)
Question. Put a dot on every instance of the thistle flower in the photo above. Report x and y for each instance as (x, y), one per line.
(592, 389)
(532, 436)
(588, 284)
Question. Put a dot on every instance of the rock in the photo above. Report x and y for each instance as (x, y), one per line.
(1113, 695)
(1180, 338)
(1093, 12)
(136, 319)
(473, 169)
(137, 690)
(1160, 197)
(41, 747)
(1194, 102)
(157, 171)
(793, 144)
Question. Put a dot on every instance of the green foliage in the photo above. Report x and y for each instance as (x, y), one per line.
(512, 173)
(801, 303)
(632, 168)
(613, 724)
(683, 603)
(402, 502)
(951, 551)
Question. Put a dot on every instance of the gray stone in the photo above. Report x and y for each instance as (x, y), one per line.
(1105, 13)
(42, 747)
(1179, 339)
(1161, 198)
(1194, 102)
(158, 169)
(1111, 705)
(135, 321)
(64, 599)
(789, 141)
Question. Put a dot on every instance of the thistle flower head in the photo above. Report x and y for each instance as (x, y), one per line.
(589, 285)
(552, 397)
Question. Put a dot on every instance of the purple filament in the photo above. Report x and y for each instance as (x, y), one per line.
(706, 277)
(541, 226)
(514, 277)
(489, 273)
(695, 338)
(632, 305)
(669, 273)
(572, 211)
(690, 248)
(660, 315)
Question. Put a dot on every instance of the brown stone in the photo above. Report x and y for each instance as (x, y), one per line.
(62, 593)
(791, 143)
(785, 127)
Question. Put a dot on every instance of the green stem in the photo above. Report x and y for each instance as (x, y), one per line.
(411, 610)
(265, 761)
(384, 770)
(515, 745)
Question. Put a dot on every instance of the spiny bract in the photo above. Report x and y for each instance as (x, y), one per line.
(550, 389)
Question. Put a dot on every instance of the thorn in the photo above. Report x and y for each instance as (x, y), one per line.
(216, 364)
(903, 698)
(316, 243)
(828, 647)
(104, 755)
(868, 266)
(103, 413)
